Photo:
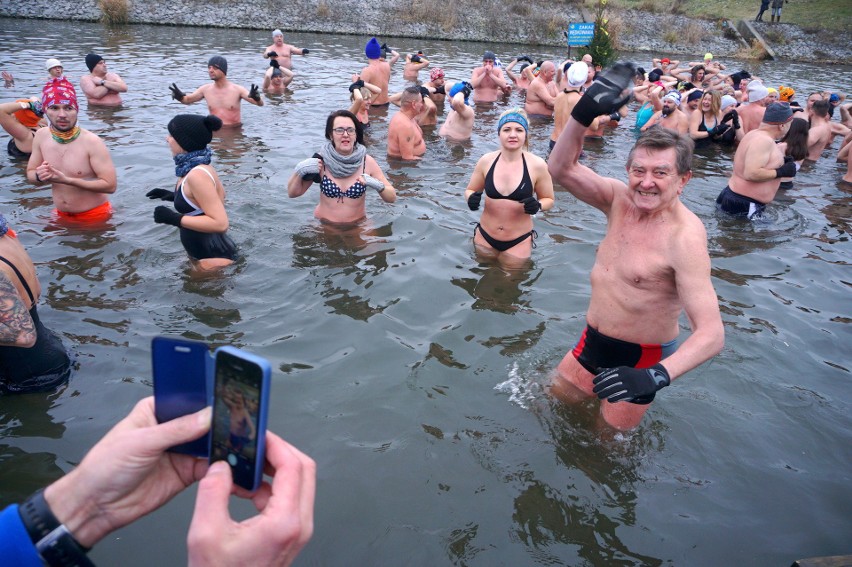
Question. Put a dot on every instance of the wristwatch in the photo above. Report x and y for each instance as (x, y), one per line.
(103, 81)
(53, 542)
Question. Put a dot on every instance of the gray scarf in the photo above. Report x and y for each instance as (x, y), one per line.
(339, 165)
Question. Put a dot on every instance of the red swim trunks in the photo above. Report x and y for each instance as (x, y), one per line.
(99, 214)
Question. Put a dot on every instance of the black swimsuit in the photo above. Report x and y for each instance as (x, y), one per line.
(202, 245)
(42, 367)
(523, 191)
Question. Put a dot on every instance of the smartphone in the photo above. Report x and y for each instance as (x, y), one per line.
(240, 406)
(182, 384)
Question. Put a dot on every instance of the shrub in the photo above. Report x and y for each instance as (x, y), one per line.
(114, 12)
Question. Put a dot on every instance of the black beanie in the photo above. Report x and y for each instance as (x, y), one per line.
(93, 59)
(193, 132)
(219, 62)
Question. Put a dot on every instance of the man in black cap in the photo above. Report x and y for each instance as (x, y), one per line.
(223, 97)
(488, 80)
(101, 88)
(759, 165)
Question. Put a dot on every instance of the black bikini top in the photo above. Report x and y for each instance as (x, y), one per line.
(521, 192)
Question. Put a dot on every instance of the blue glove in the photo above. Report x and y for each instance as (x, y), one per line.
(605, 95)
(635, 385)
(473, 200)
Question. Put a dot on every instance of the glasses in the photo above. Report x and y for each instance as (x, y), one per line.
(341, 131)
(640, 173)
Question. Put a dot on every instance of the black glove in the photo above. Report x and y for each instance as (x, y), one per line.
(615, 116)
(254, 94)
(356, 85)
(415, 59)
(531, 205)
(177, 94)
(271, 54)
(166, 215)
(786, 170)
(274, 63)
(635, 385)
(728, 117)
(473, 200)
(605, 94)
(468, 88)
(440, 90)
(424, 92)
(305, 51)
(385, 47)
(161, 194)
(719, 129)
(736, 121)
(526, 58)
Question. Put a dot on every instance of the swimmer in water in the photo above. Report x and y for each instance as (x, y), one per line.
(21, 119)
(344, 172)
(516, 185)
(282, 53)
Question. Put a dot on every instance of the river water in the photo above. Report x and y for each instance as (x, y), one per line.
(414, 374)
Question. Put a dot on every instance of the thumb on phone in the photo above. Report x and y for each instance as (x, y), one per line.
(211, 516)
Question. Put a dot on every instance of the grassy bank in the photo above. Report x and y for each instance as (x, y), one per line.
(811, 15)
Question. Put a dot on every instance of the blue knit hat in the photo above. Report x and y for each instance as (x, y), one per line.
(373, 50)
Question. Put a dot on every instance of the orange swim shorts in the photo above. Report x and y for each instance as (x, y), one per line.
(101, 213)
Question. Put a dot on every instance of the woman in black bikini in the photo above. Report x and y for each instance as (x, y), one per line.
(517, 185)
(705, 124)
(344, 171)
(32, 357)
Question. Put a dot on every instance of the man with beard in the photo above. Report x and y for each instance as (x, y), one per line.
(73, 160)
(670, 116)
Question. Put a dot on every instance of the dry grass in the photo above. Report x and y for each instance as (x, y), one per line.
(114, 12)
(756, 51)
(617, 27)
(323, 11)
(443, 15)
(692, 34)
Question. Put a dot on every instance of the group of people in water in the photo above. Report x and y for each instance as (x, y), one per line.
(651, 266)
(639, 286)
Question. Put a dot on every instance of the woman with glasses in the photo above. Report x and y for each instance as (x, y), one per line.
(344, 171)
(517, 185)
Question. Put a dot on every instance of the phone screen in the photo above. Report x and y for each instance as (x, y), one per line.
(238, 416)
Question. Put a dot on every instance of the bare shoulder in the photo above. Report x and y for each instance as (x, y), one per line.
(534, 161)
(689, 237)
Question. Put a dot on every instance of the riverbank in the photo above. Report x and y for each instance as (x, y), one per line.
(476, 20)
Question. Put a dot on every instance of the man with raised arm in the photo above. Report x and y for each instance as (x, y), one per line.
(651, 265)
(223, 97)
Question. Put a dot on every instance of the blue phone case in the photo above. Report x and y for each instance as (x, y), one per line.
(183, 384)
(247, 474)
